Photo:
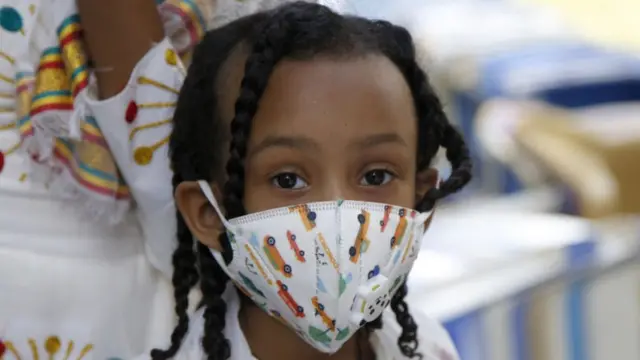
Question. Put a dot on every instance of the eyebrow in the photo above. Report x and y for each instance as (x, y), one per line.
(378, 139)
(291, 142)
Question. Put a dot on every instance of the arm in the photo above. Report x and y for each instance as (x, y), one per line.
(137, 50)
(118, 33)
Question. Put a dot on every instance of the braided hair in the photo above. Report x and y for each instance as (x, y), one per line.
(297, 31)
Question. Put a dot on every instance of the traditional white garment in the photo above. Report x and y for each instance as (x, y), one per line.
(434, 342)
(70, 287)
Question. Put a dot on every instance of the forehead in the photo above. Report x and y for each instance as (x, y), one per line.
(333, 100)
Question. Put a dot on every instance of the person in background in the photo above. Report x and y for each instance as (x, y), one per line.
(83, 276)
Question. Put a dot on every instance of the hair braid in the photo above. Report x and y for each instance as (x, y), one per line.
(213, 285)
(435, 131)
(269, 47)
(408, 339)
(184, 278)
(433, 125)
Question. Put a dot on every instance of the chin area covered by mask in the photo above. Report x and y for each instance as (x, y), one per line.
(326, 268)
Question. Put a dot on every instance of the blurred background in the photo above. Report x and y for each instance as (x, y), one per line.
(538, 259)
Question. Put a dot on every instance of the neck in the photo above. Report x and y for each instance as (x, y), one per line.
(283, 343)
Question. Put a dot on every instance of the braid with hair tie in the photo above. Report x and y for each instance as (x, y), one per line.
(298, 31)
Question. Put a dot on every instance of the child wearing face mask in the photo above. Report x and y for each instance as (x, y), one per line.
(300, 161)
(301, 153)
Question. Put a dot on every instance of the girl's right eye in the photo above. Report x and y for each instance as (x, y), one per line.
(289, 181)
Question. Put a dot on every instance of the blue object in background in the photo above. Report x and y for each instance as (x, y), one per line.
(467, 331)
(569, 75)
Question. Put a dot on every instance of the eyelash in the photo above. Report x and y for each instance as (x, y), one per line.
(388, 176)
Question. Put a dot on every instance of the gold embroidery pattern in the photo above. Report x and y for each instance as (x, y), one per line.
(25, 82)
(10, 111)
(49, 349)
(143, 155)
(52, 89)
(70, 36)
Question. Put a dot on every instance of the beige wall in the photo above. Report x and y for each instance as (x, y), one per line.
(613, 22)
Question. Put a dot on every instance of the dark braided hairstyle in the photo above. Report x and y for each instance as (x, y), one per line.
(297, 31)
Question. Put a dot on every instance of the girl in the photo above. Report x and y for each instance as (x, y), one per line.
(313, 108)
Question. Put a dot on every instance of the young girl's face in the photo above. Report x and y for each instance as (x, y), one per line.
(325, 129)
(331, 129)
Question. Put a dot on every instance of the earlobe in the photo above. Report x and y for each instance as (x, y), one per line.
(203, 222)
(425, 180)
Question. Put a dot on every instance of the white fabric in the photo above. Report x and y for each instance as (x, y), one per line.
(323, 268)
(435, 343)
(65, 278)
(149, 183)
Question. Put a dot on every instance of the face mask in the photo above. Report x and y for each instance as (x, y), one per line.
(324, 269)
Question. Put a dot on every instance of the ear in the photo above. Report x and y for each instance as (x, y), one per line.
(201, 218)
(425, 180)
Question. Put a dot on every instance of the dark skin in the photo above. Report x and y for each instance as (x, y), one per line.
(117, 34)
(344, 129)
(325, 129)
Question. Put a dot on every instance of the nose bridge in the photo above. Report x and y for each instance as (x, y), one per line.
(335, 186)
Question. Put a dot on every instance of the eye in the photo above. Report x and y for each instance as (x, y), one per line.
(377, 177)
(289, 181)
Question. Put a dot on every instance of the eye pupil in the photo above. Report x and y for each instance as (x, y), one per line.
(375, 177)
(286, 181)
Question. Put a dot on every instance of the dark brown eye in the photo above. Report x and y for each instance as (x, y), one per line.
(289, 181)
(376, 177)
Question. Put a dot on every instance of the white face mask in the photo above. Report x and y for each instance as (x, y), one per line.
(324, 268)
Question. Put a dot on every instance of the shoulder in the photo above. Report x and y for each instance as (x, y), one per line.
(434, 343)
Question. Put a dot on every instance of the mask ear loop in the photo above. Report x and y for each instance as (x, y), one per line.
(208, 193)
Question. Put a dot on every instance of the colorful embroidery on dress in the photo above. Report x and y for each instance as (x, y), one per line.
(52, 91)
(11, 20)
(12, 124)
(143, 155)
(191, 17)
(25, 81)
(51, 347)
(89, 162)
(70, 38)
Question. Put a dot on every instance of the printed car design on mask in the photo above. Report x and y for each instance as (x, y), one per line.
(283, 292)
(299, 254)
(361, 243)
(307, 216)
(319, 311)
(275, 257)
(249, 285)
(409, 247)
(401, 229)
(254, 258)
(385, 219)
(327, 252)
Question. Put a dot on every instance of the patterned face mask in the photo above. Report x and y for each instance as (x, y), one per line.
(324, 269)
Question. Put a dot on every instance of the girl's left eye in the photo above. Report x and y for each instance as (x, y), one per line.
(289, 181)
(377, 177)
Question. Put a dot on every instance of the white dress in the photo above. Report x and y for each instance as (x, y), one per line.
(434, 342)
